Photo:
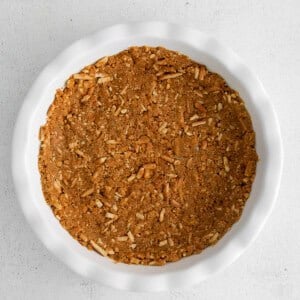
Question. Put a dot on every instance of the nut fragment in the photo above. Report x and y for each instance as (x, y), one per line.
(199, 123)
(140, 216)
(175, 203)
(171, 242)
(83, 237)
(163, 243)
(204, 145)
(148, 173)
(194, 118)
(57, 185)
(177, 162)
(250, 167)
(171, 76)
(111, 142)
(196, 73)
(135, 261)
(102, 61)
(88, 192)
(162, 215)
(167, 190)
(80, 153)
(123, 92)
(82, 76)
(98, 248)
(110, 215)
(140, 173)
(130, 235)
(202, 73)
(189, 163)
(162, 128)
(110, 252)
(226, 164)
(102, 160)
(170, 175)
(214, 238)
(100, 75)
(104, 80)
(117, 112)
(150, 166)
(122, 238)
(131, 177)
(229, 98)
(99, 203)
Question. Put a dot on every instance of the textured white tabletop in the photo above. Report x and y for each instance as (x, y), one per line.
(266, 34)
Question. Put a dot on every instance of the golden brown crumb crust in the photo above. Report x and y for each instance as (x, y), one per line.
(147, 157)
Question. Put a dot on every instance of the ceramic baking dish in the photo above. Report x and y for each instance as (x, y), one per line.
(201, 48)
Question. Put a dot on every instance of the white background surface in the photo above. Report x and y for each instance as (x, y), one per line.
(266, 34)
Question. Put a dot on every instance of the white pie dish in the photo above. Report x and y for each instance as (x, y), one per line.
(201, 48)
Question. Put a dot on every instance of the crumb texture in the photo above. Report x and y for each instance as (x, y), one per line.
(147, 157)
